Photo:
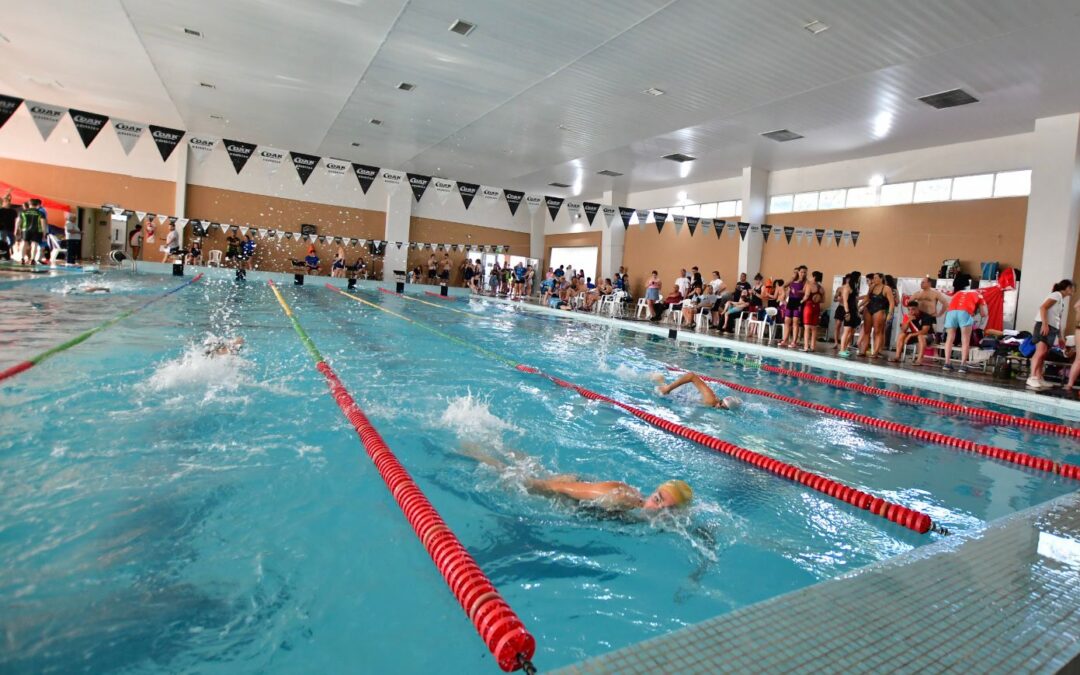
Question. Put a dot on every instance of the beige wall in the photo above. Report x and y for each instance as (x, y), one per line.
(666, 252)
(589, 238)
(432, 231)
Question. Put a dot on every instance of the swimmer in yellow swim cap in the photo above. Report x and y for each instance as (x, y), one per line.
(708, 396)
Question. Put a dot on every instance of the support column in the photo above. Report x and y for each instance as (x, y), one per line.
(180, 193)
(537, 223)
(1053, 213)
(755, 189)
(612, 237)
(398, 212)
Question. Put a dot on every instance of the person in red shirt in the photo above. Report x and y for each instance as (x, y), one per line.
(961, 316)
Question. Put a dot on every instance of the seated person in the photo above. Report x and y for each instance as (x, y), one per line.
(556, 302)
(547, 289)
(195, 252)
(732, 310)
(673, 301)
(691, 305)
(917, 325)
(708, 396)
(311, 261)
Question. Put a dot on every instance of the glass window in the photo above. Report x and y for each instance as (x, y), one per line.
(726, 210)
(677, 210)
(1013, 184)
(861, 196)
(933, 190)
(738, 208)
(693, 210)
(973, 187)
(806, 201)
(781, 204)
(708, 210)
(897, 193)
(832, 199)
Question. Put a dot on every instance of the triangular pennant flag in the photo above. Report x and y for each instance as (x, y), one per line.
(443, 188)
(642, 217)
(243, 230)
(660, 225)
(691, 224)
(161, 219)
(181, 223)
(513, 200)
(166, 140)
(766, 229)
(8, 106)
(788, 231)
(798, 237)
(335, 168)
(46, 116)
(837, 235)
(718, 226)
(819, 233)
(353, 241)
(365, 174)
(239, 153)
(626, 213)
(262, 231)
(660, 217)
(128, 133)
(398, 245)
(312, 238)
(392, 179)
(678, 221)
(201, 146)
(88, 124)
(141, 215)
(610, 214)
(533, 202)
(272, 159)
(590, 209)
(419, 184)
(743, 227)
(490, 193)
(467, 192)
(553, 205)
(854, 237)
(304, 165)
(573, 209)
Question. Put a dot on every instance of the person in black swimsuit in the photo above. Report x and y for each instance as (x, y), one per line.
(840, 313)
(878, 311)
(849, 299)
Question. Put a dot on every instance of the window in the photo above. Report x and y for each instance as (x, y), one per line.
(1013, 184)
(933, 190)
(861, 196)
(677, 210)
(973, 187)
(806, 201)
(692, 211)
(832, 199)
(897, 193)
(708, 210)
(738, 208)
(726, 210)
(781, 204)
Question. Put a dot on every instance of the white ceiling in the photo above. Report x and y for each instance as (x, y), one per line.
(307, 75)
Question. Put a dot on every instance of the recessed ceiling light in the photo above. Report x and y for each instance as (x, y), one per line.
(356, 144)
(559, 185)
(207, 85)
(782, 135)
(816, 27)
(653, 91)
(608, 172)
(377, 122)
(406, 86)
(462, 27)
(216, 117)
(679, 157)
(949, 99)
(192, 32)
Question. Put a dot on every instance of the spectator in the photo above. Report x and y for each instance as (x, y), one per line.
(195, 252)
(849, 301)
(135, 241)
(8, 216)
(232, 247)
(695, 277)
(682, 282)
(792, 307)
(311, 261)
(1047, 331)
(337, 268)
(961, 316)
(32, 230)
(1074, 371)
(840, 313)
(917, 325)
(877, 312)
(172, 243)
(445, 265)
(673, 301)
(931, 301)
(432, 269)
(247, 251)
(813, 294)
(72, 239)
(652, 294)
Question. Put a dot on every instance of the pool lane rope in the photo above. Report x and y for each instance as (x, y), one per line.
(901, 515)
(1021, 458)
(499, 627)
(83, 337)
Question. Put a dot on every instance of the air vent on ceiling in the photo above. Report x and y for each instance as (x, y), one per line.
(816, 27)
(608, 172)
(559, 185)
(356, 144)
(217, 117)
(782, 135)
(949, 99)
(462, 27)
(207, 85)
(406, 86)
(192, 32)
(377, 122)
(679, 157)
(653, 91)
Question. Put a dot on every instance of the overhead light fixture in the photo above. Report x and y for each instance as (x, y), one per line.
(877, 180)
(559, 185)
(462, 27)
(192, 32)
(356, 144)
(679, 157)
(406, 86)
(816, 27)
(207, 85)
(376, 121)
(782, 135)
(608, 172)
(681, 195)
(653, 91)
(949, 99)
(217, 117)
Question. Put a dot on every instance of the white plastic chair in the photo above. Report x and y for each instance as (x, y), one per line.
(642, 308)
(214, 259)
(614, 303)
(761, 324)
(744, 316)
(701, 320)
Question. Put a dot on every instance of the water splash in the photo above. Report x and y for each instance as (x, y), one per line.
(470, 418)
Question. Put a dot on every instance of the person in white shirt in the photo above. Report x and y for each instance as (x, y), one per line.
(172, 243)
(73, 239)
(682, 283)
(717, 284)
(1048, 330)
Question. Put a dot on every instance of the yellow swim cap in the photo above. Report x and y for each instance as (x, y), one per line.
(679, 490)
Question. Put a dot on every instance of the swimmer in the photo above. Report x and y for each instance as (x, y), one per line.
(708, 396)
(88, 289)
(215, 346)
(608, 495)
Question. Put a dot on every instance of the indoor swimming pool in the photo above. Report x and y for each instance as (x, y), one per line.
(219, 514)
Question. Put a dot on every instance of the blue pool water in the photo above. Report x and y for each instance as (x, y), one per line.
(162, 512)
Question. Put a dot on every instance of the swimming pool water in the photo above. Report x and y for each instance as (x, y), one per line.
(160, 511)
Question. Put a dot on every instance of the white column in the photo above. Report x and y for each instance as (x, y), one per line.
(612, 236)
(398, 212)
(537, 223)
(755, 188)
(180, 194)
(1053, 213)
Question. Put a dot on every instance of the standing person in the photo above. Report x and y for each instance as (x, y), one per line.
(849, 300)
(917, 325)
(961, 316)
(1074, 370)
(519, 279)
(337, 268)
(8, 216)
(811, 311)
(840, 313)
(877, 313)
(467, 273)
(432, 268)
(135, 241)
(247, 251)
(652, 293)
(493, 278)
(32, 229)
(682, 283)
(695, 277)
(72, 239)
(931, 300)
(172, 243)
(1048, 330)
(530, 274)
(793, 307)
(716, 285)
(445, 265)
(232, 247)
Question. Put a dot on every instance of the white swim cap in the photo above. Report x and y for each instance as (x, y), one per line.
(732, 402)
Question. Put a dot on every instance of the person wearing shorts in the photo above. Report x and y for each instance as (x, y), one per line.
(961, 317)
(1048, 330)
(917, 325)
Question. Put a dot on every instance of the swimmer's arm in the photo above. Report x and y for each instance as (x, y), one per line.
(708, 396)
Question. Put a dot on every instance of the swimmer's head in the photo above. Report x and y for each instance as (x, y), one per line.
(671, 494)
(729, 402)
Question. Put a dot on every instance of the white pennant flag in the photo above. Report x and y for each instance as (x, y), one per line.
(533, 202)
(312, 238)
(128, 133)
(798, 237)
(201, 146)
(489, 193)
(262, 232)
(610, 214)
(642, 217)
(574, 209)
(271, 159)
(392, 179)
(46, 116)
(161, 219)
(181, 223)
(141, 215)
(679, 221)
(336, 168)
(443, 189)
(243, 230)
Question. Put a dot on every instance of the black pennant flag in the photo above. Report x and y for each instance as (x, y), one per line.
(691, 224)
(743, 227)
(819, 233)
(418, 184)
(766, 230)
(239, 152)
(660, 227)
(854, 237)
(591, 209)
(788, 231)
(366, 175)
(553, 205)
(88, 124)
(838, 235)
(467, 192)
(513, 200)
(659, 217)
(8, 106)
(718, 225)
(304, 165)
(626, 213)
(166, 139)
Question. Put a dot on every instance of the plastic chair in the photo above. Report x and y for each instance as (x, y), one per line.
(214, 259)
(768, 322)
(642, 308)
(701, 320)
(744, 316)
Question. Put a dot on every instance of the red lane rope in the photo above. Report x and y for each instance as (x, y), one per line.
(438, 295)
(16, 369)
(909, 518)
(499, 627)
(1021, 458)
(971, 411)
